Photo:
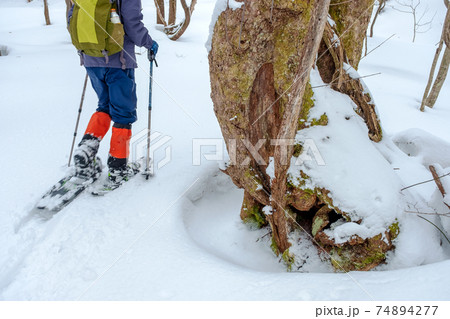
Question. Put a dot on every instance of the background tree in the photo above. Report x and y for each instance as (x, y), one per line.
(260, 60)
(380, 8)
(429, 97)
(175, 30)
(46, 13)
(412, 6)
(160, 5)
(172, 11)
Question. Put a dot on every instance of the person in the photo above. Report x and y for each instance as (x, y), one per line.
(113, 79)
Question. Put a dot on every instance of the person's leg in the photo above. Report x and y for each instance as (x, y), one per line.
(97, 128)
(101, 120)
(122, 95)
(120, 146)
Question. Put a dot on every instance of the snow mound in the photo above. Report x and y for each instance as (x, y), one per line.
(428, 148)
(340, 158)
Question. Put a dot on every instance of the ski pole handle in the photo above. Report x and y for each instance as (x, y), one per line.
(152, 57)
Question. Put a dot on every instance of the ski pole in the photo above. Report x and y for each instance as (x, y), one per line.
(148, 171)
(78, 119)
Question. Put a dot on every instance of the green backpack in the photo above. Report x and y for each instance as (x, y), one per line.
(91, 29)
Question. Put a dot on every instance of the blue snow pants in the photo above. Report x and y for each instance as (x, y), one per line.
(116, 91)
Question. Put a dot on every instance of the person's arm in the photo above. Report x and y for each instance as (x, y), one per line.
(130, 12)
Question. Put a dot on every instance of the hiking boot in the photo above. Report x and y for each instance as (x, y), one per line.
(118, 176)
(86, 164)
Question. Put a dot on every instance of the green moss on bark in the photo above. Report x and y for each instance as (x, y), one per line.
(255, 216)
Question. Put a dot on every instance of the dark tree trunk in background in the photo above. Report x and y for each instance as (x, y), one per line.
(429, 97)
(46, 13)
(381, 6)
(175, 31)
(172, 11)
(160, 5)
(440, 79)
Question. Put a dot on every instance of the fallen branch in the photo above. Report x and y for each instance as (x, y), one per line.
(438, 182)
(422, 213)
(436, 227)
(430, 180)
(378, 46)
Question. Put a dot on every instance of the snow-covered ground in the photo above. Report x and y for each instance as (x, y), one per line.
(179, 235)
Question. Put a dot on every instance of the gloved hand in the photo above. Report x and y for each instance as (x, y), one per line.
(153, 50)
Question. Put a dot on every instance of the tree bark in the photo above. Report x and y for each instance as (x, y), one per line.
(431, 76)
(429, 98)
(352, 19)
(46, 13)
(172, 11)
(160, 7)
(446, 29)
(289, 122)
(440, 79)
(438, 182)
(175, 31)
(331, 67)
(379, 9)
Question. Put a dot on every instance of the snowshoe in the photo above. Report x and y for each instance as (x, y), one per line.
(68, 188)
(117, 177)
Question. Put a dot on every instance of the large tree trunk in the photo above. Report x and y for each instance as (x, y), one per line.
(289, 122)
(260, 60)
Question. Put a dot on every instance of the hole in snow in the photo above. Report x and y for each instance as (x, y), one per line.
(3, 50)
(214, 224)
